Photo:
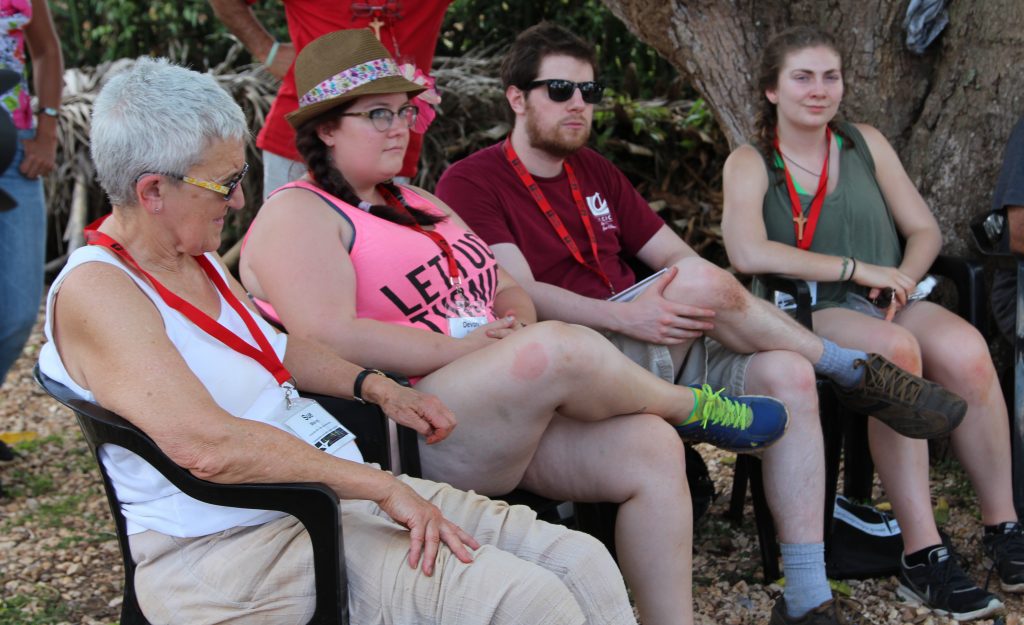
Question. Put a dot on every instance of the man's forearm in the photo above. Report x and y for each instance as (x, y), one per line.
(242, 22)
(554, 302)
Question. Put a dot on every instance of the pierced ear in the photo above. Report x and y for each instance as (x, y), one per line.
(149, 192)
(516, 99)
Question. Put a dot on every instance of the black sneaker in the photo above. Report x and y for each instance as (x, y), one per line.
(1005, 551)
(942, 586)
(909, 404)
(835, 611)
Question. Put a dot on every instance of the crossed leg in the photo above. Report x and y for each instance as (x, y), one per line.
(506, 395)
(743, 322)
(555, 408)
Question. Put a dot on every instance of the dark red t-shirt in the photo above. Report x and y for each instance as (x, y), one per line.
(416, 32)
(485, 191)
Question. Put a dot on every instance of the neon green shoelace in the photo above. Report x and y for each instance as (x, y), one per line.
(723, 411)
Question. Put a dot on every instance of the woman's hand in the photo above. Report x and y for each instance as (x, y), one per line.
(427, 527)
(420, 411)
(877, 278)
(493, 331)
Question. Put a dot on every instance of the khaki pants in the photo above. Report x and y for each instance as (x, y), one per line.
(526, 572)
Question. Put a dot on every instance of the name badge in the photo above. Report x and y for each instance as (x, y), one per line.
(785, 301)
(459, 327)
(310, 422)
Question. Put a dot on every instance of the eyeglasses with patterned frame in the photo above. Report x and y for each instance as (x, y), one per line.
(383, 118)
(226, 190)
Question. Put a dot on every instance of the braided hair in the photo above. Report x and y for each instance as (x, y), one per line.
(774, 56)
(317, 157)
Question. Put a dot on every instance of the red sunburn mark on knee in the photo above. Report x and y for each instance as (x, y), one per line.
(530, 362)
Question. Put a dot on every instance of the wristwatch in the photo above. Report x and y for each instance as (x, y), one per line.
(47, 110)
(357, 390)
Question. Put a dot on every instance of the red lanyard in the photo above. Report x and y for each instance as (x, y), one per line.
(454, 279)
(554, 219)
(805, 236)
(264, 355)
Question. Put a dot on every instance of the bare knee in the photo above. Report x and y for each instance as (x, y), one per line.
(570, 349)
(900, 346)
(786, 376)
(964, 361)
(701, 283)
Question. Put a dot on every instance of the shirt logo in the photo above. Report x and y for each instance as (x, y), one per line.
(599, 209)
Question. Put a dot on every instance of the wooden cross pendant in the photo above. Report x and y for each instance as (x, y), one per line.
(800, 221)
(375, 25)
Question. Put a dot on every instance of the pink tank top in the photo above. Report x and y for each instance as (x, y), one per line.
(401, 275)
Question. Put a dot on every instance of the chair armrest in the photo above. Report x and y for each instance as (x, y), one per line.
(795, 287)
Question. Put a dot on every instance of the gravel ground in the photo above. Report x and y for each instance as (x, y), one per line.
(59, 561)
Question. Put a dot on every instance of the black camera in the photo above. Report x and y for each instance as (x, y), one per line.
(884, 299)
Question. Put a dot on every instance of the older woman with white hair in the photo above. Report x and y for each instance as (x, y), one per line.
(148, 323)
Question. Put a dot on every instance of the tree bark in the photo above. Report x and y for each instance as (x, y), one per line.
(948, 112)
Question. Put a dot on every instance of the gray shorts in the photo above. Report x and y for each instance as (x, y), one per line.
(707, 361)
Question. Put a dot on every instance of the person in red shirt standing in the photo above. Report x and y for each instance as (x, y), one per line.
(408, 29)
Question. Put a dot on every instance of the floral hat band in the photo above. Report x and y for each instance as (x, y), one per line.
(342, 66)
(349, 79)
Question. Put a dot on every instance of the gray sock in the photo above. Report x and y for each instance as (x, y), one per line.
(806, 583)
(837, 363)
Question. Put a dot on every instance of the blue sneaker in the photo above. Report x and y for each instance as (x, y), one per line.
(743, 423)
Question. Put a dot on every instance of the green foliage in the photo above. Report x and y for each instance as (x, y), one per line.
(624, 63)
(35, 444)
(40, 609)
(187, 31)
(26, 484)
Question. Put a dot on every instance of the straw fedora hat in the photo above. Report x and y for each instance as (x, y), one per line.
(342, 66)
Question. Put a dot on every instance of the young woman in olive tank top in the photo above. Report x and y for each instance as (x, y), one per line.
(828, 201)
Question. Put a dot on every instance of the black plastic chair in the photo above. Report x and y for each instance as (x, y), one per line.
(845, 433)
(314, 505)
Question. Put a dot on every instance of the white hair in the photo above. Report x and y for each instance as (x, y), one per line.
(157, 118)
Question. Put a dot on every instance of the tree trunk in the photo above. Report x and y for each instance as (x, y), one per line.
(948, 112)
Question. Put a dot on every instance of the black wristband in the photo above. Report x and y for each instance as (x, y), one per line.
(357, 387)
(852, 271)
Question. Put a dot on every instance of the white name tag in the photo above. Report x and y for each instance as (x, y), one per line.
(459, 327)
(785, 301)
(310, 422)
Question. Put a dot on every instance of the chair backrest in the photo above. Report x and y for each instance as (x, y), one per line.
(314, 505)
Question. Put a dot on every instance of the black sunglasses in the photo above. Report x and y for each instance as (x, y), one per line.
(561, 90)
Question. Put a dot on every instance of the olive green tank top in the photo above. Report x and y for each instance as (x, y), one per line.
(854, 221)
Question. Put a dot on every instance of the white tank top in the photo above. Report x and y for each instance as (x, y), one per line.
(238, 384)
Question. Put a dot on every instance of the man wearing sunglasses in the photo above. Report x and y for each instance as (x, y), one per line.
(560, 218)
